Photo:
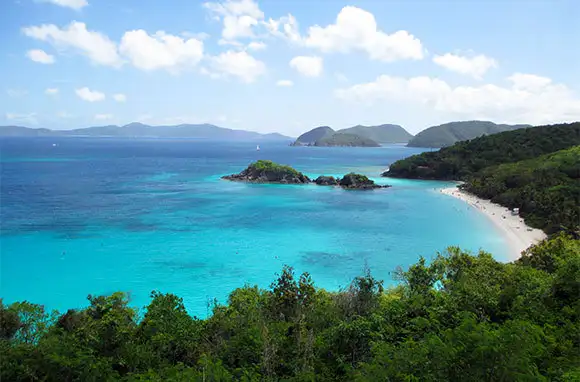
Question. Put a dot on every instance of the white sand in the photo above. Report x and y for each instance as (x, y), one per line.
(518, 234)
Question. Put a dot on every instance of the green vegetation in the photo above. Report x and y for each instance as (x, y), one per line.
(269, 166)
(545, 189)
(458, 318)
(344, 139)
(309, 137)
(534, 169)
(382, 133)
(452, 132)
(465, 158)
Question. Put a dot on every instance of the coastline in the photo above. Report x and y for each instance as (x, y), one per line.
(519, 236)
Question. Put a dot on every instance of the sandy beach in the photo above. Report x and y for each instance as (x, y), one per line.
(519, 235)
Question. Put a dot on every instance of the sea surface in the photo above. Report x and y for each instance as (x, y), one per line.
(86, 216)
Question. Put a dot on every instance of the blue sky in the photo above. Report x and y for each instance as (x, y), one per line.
(288, 66)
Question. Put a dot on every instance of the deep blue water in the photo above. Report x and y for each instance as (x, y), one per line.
(101, 215)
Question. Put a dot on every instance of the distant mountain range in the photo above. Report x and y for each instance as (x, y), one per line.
(137, 130)
(363, 136)
(452, 132)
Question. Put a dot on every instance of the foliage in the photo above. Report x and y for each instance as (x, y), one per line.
(545, 189)
(459, 317)
(345, 139)
(269, 166)
(466, 158)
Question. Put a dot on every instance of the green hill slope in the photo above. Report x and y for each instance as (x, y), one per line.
(465, 158)
(309, 137)
(546, 189)
(346, 140)
(382, 134)
(450, 133)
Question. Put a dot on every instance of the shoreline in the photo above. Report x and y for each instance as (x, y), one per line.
(519, 235)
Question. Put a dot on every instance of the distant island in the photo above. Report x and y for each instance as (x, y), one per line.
(356, 136)
(140, 130)
(266, 171)
(452, 132)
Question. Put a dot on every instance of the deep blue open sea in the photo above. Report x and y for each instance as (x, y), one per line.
(94, 216)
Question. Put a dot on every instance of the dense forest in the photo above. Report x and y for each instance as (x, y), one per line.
(536, 169)
(458, 317)
(464, 158)
(545, 189)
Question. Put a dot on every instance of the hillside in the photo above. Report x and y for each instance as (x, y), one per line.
(458, 317)
(546, 189)
(464, 158)
(345, 140)
(310, 137)
(381, 134)
(449, 133)
(136, 130)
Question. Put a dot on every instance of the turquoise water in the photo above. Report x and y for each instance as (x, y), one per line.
(102, 215)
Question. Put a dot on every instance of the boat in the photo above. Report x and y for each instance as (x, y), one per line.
(258, 148)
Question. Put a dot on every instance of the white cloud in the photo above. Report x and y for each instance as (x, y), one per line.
(285, 83)
(239, 17)
(16, 93)
(29, 118)
(39, 55)
(475, 66)
(51, 91)
(103, 117)
(74, 4)
(341, 77)
(120, 97)
(524, 99)
(237, 64)
(94, 45)
(256, 45)
(90, 95)
(160, 50)
(285, 27)
(356, 29)
(310, 66)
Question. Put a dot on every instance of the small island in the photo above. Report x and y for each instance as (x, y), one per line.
(266, 171)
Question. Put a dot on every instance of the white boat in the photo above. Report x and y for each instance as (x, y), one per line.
(258, 148)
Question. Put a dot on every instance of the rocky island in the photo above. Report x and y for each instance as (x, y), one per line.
(266, 171)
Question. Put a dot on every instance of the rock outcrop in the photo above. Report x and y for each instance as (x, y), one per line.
(265, 171)
(324, 180)
(354, 181)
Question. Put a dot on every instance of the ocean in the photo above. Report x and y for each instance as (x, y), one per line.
(84, 216)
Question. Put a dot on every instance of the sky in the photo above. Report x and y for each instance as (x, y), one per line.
(288, 65)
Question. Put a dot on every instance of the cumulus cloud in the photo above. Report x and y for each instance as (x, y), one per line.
(285, 83)
(74, 4)
(40, 56)
(356, 30)
(524, 98)
(89, 95)
(160, 50)
(256, 45)
(51, 91)
(285, 27)
(236, 64)
(310, 66)
(120, 97)
(103, 117)
(475, 66)
(239, 17)
(76, 37)
(29, 118)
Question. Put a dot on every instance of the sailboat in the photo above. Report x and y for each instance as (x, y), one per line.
(258, 148)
